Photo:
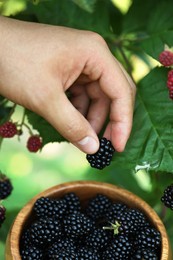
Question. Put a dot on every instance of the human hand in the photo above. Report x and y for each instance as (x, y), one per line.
(40, 63)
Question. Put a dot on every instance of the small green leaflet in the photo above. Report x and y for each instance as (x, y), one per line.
(47, 132)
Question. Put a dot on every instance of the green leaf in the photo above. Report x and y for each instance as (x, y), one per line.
(151, 141)
(87, 5)
(149, 16)
(160, 30)
(138, 14)
(46, 131)
(67, 13)
(161, 19)
(155, 44)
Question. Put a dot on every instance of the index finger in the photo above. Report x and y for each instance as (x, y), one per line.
(119, 87)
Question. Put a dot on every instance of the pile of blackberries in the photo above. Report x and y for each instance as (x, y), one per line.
(102, 230)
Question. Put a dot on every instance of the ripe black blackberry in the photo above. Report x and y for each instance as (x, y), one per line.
(2, 214)
(114, 211)
(120, 249)
(5, 186)
(85, 253)
(73, 203)
(103, 156)
(148, 237)
(77, 225)
(127, 223)
(64, 255)
(45, 231)
(98, 206)
(131, 221)
(167, 197)
(146, 254)
(98, 239)
(62, 244)
(32, 253)
(46, 207)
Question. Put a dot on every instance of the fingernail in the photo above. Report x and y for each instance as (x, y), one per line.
(88, 145)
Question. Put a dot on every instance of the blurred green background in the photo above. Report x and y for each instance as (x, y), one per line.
(62, 162)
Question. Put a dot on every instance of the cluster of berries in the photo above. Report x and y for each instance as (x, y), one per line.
(5, 190)
(9, 130)
(167, 197)
(103, 156)
(166, 59)
(102, 230)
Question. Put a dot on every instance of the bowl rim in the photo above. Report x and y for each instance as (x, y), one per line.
(21, 218)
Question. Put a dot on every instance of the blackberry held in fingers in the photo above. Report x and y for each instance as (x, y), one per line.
(103, 156)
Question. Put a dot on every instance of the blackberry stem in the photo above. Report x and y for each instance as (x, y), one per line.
(114, 227)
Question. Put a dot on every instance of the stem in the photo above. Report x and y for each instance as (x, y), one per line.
(129, 67)
(163, 212)
(114, 227)
(11, 112)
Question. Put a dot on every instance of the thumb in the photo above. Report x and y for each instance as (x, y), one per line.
(71, 124)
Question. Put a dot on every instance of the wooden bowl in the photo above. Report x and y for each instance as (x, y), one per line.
(85, 190)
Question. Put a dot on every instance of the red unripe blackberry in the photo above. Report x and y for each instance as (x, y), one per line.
(103, 156)
(5, 186)
(167, 197)
(166, 58)
(2, 214)
(34, 143)
(170, 79)
(8, 130)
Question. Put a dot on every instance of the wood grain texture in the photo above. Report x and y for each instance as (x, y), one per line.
(85, 190)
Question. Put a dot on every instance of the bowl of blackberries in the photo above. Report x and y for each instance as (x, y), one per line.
(87, 220)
